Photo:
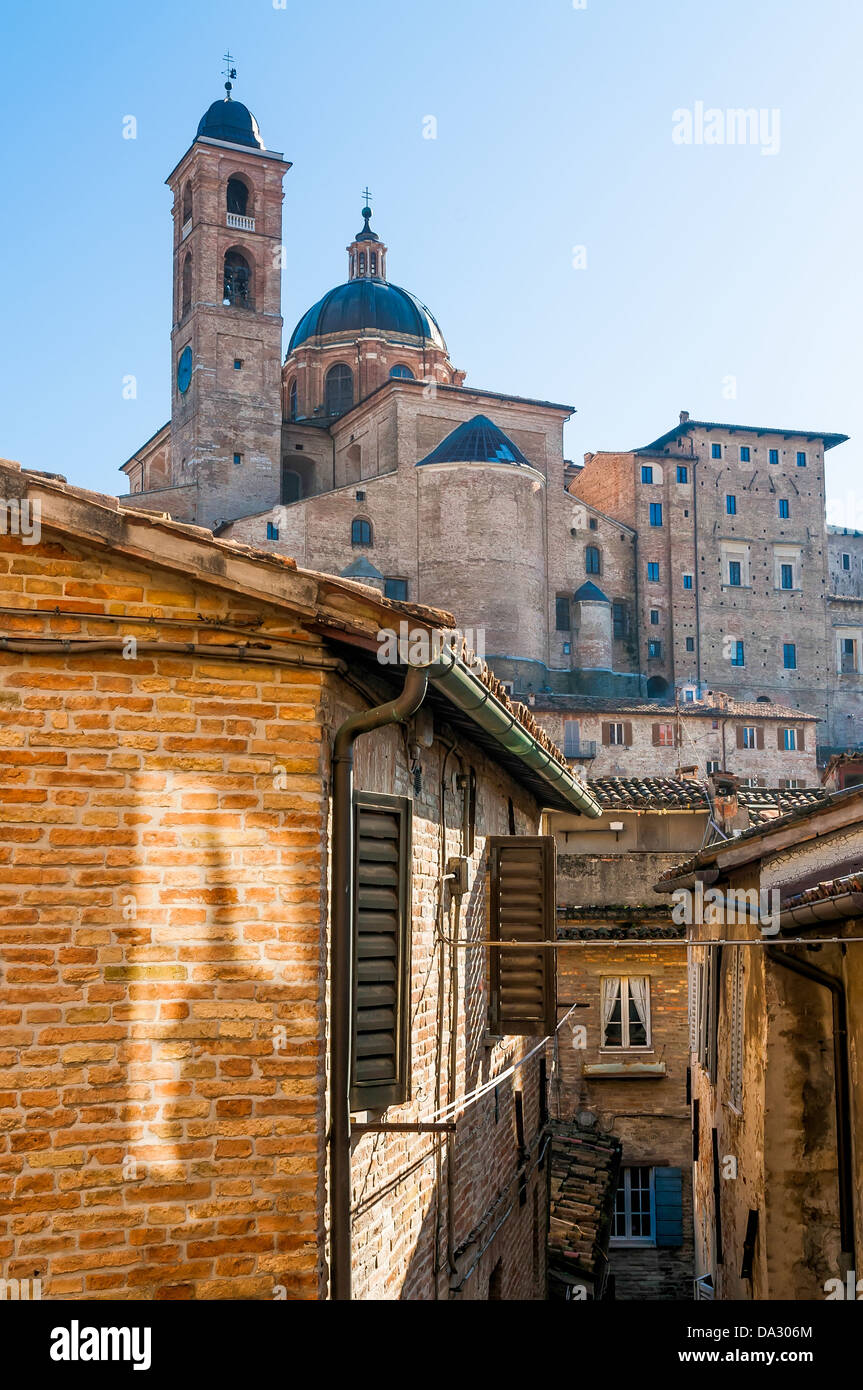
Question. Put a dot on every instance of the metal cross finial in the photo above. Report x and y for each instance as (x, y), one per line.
(367, 195)
(229, 71)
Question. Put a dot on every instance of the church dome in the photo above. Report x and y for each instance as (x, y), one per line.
(232, 121)
(372, 305)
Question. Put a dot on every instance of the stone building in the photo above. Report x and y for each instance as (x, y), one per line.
(776, 1029)
(180, 847)
(845, 637)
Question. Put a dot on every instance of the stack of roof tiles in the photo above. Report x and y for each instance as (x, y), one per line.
(768, 803)
(584, 1171)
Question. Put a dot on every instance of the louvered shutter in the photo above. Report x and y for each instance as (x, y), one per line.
(801, 737)
(627, 735)
(381, 950)
(522, 908)
(606, 735)
(739, 732)
(668, 1201)
(655, 731)
(759, 738)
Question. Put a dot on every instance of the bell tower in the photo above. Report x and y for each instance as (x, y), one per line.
(226, 338)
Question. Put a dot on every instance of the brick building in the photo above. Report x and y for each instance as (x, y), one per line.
(179, 850)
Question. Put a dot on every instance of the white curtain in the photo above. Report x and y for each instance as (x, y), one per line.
(638, 995)
(610, 992)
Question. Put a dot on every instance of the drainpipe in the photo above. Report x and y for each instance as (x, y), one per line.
(341, 965)
(844, 1157)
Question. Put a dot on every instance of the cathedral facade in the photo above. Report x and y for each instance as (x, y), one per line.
(696, 562)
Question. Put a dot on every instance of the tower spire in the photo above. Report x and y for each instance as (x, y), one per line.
(367, 255)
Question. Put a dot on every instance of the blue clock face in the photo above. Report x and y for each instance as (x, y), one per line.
(184, 369)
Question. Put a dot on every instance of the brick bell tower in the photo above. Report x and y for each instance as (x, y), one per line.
(226, 339)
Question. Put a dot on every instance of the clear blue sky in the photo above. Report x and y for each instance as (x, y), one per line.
(554, 130)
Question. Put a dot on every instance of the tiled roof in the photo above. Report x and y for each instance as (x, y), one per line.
(687, 709)
(649, 793)
(766, 804)
(584, 1169)
(830, 439)
(830, 888)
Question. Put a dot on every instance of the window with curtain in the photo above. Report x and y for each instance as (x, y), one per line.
(626, 1011)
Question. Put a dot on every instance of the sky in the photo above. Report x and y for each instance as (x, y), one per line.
(571, 244)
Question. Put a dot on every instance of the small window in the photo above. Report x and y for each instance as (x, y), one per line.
(716, 451)
(292, 400)
(786, 576)
(187, 285)
(682, 473)
(237, 197)
(562, 615)
(187, 203)
(592, 559)
(626, 1011)
(618, 620)
(848, 662)
(730, 504)
(617, 735)
(687, 581)
(789, 740)
(737, 654)
(592, 523)
(789, 656)
(396, 589)
(773, 456)
(784, 508)
(237, 288)
(272, 532)
(653, 570)
(401, 370)
(654, 651)
(663, 735)
(734, 573)
(801, 458)
(656, 513)
(654, 616)
(238, 459)
(712, 765)
(646, 473)
(362, 263)
(238, 364)
(361, 531)
(744, 453)
(633, 1222)
(373, 262)
(690, 644)
(846, 560)
(750, 737)
(571, 738)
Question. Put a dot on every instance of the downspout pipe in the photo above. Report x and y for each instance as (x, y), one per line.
(341, 965)
(845, 1163)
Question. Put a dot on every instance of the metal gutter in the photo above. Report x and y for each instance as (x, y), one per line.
(848, 904)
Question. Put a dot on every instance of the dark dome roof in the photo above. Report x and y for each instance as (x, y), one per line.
(589, 593)
(231, 120)
(367, 304)
(478, 440)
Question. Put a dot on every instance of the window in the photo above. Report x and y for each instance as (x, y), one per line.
(744, 453)
(734, 573)
(593, 523)
(396, 589)
(646, 473)
(362, 263)
(237, 279)
(682, 473)
(784, 508)
(238, 364)
(633, 1207)
(663, 735)
(187, 284)
(237, 197)
(187, 203)
(592, 559)
(773, 456)
(789, 656)
(786, 576)
(618, 619)
(801, 458)
(716, 451)
(653, 570)
(737, 654)
(846, 560)
(625, 1011)
(654, 651)
(654, 616)
(272, 532)
(712, 765)
(749, 736)
(381, 1001)
(730, 504)
(522, 986)
(656, 513)
(338, 390)
(687, 581)
(373, 262)
(361, 531)
(848, 660)
(571, 738)
(689, 696)
(690, 644)
(562, 616)
(238, 459)
(617, 735)
(401, 370)
(292, 400)
(735, 984)
(788, 740)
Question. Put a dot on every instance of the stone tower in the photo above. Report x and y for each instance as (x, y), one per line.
(226, 413)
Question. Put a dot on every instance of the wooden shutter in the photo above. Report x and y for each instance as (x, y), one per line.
(739, 732)
(780, 738)
(668, 1200)
(522, 908)
(759, 737)
(381, 950)
(801, 737)
(606, 735)
(627, 735)
(655, 728)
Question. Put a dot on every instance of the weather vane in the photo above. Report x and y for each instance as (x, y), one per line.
(229, 71)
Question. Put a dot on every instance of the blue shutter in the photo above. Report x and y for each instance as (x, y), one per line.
(668, 1199)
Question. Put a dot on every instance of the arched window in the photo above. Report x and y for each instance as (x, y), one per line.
(373, 262)
(186, 302)
(292, 484)
(338, 390)
(401, 370)
(238, 280)
(292, 400)
(237, 197)
(361, 531)
(187, 204)
(592, 560)
(362, 263)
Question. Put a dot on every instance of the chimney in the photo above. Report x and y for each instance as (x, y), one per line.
(726, 805)
(687, 774)
(684, 416)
